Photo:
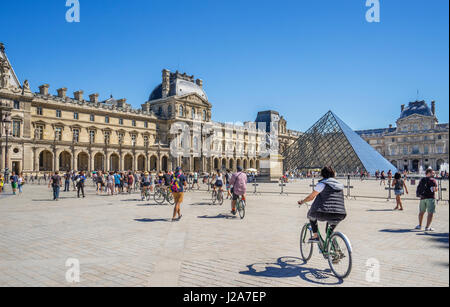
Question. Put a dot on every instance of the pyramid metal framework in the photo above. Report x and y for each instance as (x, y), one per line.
(330, 142)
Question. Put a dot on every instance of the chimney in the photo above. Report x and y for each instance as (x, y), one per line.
(403, 107)
(93, 98)
(78, 95)
(390, 126)
(199, 82)
(165, 83)
(433, 107)
(62, 92)
(43, 89)
(121, 102)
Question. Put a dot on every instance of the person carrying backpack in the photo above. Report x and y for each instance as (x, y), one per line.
(426, 190)
(177, 187)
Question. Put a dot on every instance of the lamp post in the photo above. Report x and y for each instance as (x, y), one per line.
(6, 122)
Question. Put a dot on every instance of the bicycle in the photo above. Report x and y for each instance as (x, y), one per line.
(240, 206)
(217, 197)
(336, 248)
(145, 193)
(162, 194)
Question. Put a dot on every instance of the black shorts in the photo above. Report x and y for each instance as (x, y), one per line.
(235, 196)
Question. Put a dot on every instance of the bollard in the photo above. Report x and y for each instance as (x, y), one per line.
(348, 187)
(282, 185)
(440, 190)
(390, 189)
(312, 185)
(255, 185)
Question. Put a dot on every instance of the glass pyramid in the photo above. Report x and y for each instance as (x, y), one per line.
(331, 142)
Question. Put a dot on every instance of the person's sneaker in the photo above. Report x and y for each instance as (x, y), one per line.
(418, 227)
(313, 240)
(429, 229)
(233, 212)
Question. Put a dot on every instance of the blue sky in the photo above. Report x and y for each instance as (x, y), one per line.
(301, 58)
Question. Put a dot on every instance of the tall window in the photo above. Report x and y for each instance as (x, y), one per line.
(145, 124)
(120, 121)
(16, 129)
(106, 135)
(193, 112)
(76, 135)
(133, 140)
(181, 111)
(58, 113)
(426, 150)
(39, 110)
(107, 119)
(58, 133)
(133, 123)
(92, 117)
(16, 104)
(120, 135)
(75, 115)
(39, 132)
(146, 141)
(204, 115)
(415, 149)
(92, 136)
(440, 149)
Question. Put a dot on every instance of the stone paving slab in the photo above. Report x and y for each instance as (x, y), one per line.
(121, 241)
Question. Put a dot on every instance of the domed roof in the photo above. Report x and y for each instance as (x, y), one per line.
(416, 107)
(179, 86)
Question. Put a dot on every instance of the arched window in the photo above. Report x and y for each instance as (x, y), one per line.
(169, 111)
(181, 113)
(193, 112)
(204, 115)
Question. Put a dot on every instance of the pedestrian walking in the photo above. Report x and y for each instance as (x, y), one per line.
(80, 180)
(399, 189)
(20, 182)
(14, 179)
(426, 190)
(55, 183)
(177, 186)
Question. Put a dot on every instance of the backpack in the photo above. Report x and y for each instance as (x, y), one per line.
(176, 183)
(422, 188)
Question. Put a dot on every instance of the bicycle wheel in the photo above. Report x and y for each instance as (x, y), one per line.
(241, 208)
(170, 198)
(159, 197)
(220, 198)
(306, 249)
(213, 197)
(339, 253)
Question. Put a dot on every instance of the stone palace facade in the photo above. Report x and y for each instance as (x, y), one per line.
(57, 132)
(418, 140)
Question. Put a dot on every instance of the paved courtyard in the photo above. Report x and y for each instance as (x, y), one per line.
(121, 241)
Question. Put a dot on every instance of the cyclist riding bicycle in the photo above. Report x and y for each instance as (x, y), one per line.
(146, 180)
(239, 182)
(219, 181)
(328, 205)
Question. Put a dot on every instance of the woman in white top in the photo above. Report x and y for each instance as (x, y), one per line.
(219, 181)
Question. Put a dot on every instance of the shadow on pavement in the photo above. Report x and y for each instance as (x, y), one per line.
(286, 267)
(201, 204)
(441, 238)
(152, 220)
(380, 210)
(399, 230)
(219, 216)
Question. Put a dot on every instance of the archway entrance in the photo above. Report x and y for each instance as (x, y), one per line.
(99, 163)
(114, 162)
(128, 162)
(153, 165)
(65, 161)
(83, 161)
(164, 164)
(45, 161)
(141, 163)
(415, 165)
